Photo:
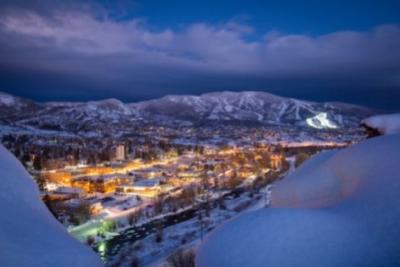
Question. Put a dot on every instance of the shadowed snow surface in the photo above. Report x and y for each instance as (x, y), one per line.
(29, 234)
(385, 124)
(339, 209)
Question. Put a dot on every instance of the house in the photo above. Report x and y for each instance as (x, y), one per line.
(103, 183)
(143, 188)
(68, 192)
(276, 161)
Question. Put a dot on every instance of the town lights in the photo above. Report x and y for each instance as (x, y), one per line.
(101, 248)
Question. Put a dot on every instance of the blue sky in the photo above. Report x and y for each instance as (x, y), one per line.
(291, 16)
(136, 50)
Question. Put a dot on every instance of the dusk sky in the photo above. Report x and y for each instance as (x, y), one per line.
(136, 50)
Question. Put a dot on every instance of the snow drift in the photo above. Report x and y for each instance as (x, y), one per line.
(384, 124)
(339, 209)
(29, 234)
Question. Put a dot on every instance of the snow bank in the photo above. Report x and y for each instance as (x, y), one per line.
(340, 209)
(29, 234)
(384, 124)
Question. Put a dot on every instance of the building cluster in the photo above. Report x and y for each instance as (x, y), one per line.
(110, 175)
(136, 182)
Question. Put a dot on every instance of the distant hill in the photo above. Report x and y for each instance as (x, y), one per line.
(234, 107)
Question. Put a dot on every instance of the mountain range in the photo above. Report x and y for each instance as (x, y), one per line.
(248, 107)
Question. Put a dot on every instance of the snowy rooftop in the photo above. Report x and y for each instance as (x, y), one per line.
(148, 182)
(68, 190)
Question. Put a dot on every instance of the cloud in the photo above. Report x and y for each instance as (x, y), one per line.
(79, 42)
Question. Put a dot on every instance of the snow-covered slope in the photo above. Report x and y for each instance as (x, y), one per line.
(339, 209)
(6, 99)
(384, 124)
(247, 107)
(251, 106)
(29, 234)
(72, 117)
(12, 107)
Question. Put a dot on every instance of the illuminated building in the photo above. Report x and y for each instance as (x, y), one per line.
(68, 192)
(120, 152)
(102, 184)
(144, 188)
(276, 161)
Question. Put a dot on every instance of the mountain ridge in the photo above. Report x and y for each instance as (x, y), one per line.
(226, 106)
(3, 93)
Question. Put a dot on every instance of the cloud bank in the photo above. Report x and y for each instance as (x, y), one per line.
(103, 53)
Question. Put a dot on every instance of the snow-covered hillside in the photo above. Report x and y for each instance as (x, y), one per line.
(384, 124)
(12, 107)
(6, 99)
(29, 234)
(247, 107)
(339, 209)
(251, 106)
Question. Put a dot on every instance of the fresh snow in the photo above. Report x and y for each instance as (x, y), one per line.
(341, 208)
(6, 99)
(385, 124)
(256, 107)
(29, 234)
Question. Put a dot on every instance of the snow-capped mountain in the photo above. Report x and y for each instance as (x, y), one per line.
(243, 107)
(13, 107)
(70, 116)
(82, 116)
(257, 107)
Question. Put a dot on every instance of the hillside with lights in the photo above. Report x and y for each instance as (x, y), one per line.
(143, 182)
(332, 211)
